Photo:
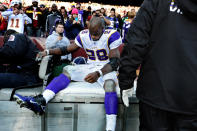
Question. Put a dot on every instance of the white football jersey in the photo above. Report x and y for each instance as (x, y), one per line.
(98, 51)
(17, 22)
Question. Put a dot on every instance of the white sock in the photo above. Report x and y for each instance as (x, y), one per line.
(48, 95)
(111, 122)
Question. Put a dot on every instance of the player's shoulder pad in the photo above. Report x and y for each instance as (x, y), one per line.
(109, 31)
(83, 32)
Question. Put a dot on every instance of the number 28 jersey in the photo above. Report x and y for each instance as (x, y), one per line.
(98, 51)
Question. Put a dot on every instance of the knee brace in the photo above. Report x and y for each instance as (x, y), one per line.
(111, 103)
(109, 86)
(58, 83)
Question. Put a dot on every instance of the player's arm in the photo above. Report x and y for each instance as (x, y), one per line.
(107, 21)
(27, 19)
(6, 13)
(114, 61)
(60, 51)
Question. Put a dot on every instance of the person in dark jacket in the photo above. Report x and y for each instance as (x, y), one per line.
(52, 16)
(162, 39)
(45, 13)
(17, 61)
(73, 26)
(34, 12)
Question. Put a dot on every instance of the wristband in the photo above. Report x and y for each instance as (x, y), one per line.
(47, 52)
(100, 72)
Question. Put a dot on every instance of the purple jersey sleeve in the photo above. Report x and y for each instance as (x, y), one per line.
(114, 40)
(78, 41)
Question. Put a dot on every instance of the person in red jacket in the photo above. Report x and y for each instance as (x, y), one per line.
(3, 21)
(3, 24)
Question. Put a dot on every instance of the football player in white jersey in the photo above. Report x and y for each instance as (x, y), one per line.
(101, 47)
(16, 18)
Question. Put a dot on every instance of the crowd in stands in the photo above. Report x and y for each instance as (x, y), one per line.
(38, 19)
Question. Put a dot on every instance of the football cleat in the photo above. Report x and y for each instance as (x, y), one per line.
(37, 103)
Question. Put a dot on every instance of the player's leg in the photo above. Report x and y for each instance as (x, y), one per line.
(76, 73)
(38, 103)
(57, 84)
(111, 104)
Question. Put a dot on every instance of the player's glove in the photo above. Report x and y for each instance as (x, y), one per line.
(125, 94)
